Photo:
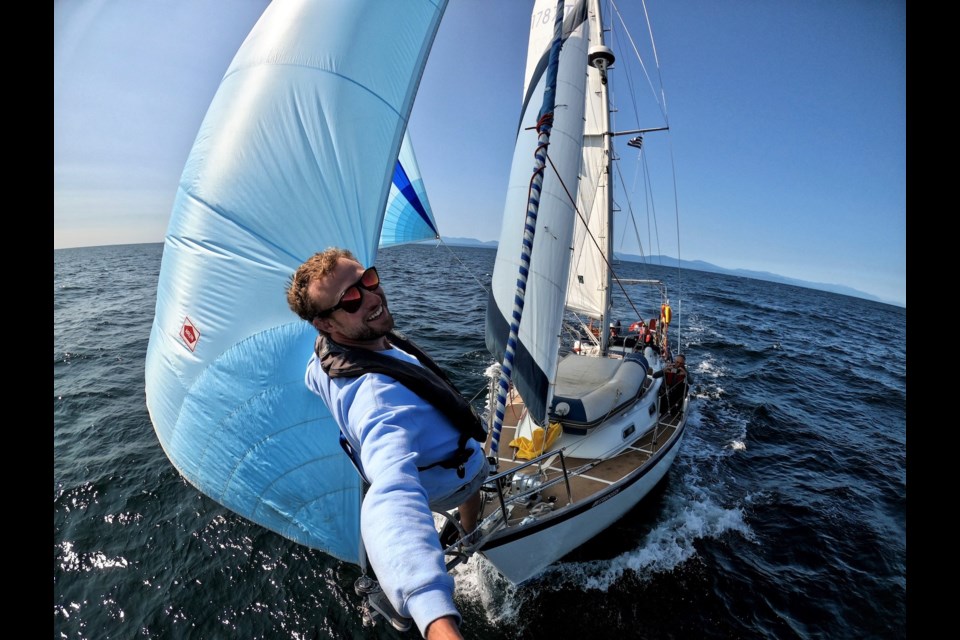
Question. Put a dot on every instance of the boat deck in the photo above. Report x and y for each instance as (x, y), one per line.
(586, 478)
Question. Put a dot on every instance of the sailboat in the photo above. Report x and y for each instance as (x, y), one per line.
(583, 425)
(305, 146)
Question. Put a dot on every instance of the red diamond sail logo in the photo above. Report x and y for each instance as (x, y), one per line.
(190, 334)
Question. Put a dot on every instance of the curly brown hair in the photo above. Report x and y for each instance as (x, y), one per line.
(316, 267)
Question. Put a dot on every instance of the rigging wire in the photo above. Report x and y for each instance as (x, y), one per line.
(485, 288)
(606, 259)
(661, 100)
(648, 200)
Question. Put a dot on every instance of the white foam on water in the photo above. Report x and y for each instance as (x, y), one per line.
(687, 518)
(668, 545)
(692, 511)
(479, 582)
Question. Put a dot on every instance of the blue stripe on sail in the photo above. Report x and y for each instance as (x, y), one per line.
(407, 217)
(406, 220)
(402, 182)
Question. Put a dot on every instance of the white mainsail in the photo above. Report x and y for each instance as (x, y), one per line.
(537, 350)
(588, 287)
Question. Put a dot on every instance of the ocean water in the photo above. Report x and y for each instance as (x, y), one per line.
(784, 515)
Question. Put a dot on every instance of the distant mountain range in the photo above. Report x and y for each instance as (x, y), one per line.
(700, 265)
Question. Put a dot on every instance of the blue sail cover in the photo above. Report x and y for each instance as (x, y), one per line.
(298, 152)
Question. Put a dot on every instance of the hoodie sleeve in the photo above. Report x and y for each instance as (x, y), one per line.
(396, 521)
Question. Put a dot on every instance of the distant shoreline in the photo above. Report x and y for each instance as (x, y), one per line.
(699, 265)
(658, 260)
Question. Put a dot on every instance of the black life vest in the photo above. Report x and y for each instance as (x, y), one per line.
(429, 382)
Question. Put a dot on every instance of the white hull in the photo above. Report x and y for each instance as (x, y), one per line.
(593, 387)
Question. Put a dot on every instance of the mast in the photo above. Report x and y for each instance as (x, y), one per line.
(601, 57)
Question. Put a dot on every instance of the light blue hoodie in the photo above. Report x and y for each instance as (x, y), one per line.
(395, 432)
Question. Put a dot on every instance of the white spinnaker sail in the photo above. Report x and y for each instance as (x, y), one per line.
(297, 152)
(536, 354)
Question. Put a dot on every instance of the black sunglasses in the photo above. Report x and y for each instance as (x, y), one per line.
(352, 296)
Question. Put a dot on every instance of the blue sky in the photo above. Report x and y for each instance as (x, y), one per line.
(788, 123)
